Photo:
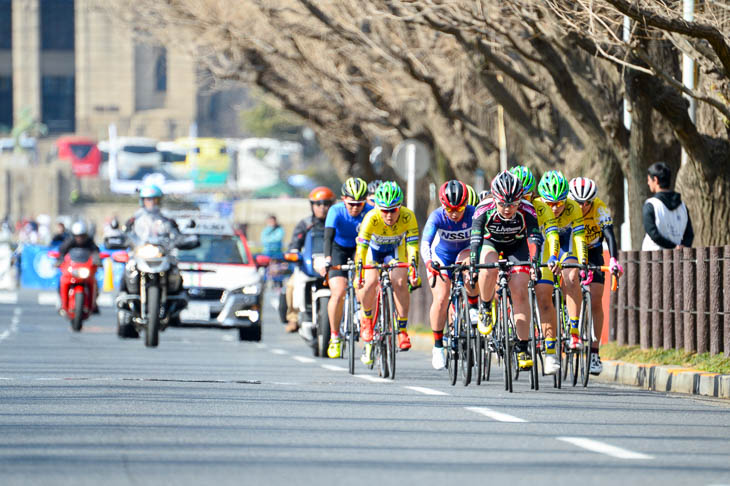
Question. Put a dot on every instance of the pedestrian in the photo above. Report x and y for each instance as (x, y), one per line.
(272, 237)
(60, 235)
(666, 219)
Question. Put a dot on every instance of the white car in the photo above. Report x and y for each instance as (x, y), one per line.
(221, 278)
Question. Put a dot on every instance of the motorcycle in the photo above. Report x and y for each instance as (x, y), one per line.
(311, 296)
(151, 295)
(78, 271)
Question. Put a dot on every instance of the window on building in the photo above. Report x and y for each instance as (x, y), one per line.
(6, 103)
(6, 24)
(57, 25)
(58, 103)
(161, 70)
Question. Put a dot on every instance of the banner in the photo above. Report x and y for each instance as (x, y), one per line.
(39, 271)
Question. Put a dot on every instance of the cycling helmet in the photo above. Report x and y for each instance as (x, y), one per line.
(582, 189)
(388, 195)
(79, 228)
(453, 194)
(321, 193)
(355, 188)
(553, 186)
(483, 195)
(473, 199)
(506, 187)
(373, 186)
(525, 175)
(149, 191)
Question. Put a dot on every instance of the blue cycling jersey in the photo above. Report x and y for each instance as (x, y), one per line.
(444, 237)
(346, 227)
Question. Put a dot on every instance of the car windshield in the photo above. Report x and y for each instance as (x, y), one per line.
(80, 151)
(216, 249)
(140, 149)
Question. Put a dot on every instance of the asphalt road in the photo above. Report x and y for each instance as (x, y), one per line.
(203, 408)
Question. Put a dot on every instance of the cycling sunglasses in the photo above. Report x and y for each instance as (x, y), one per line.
(454, 210)
(321, 203)
(355, 204)
(556, 204)
(511, 205)
(391, 210)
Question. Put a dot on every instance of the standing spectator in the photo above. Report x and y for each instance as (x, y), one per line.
(666, 219)
(60, 235)
(271, 238)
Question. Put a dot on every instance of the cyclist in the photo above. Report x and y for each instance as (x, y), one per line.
(553, 189)
(598, 224)
(372, 187)
(340, 232)
(446, 241)
(388, 233)
(503, 223)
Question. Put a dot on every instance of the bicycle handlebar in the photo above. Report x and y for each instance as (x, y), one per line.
(596, 268)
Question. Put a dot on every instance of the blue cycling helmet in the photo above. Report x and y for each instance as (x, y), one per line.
(149, 191)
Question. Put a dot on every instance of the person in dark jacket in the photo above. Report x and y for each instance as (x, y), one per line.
(80, 239)
(666, 219)
(320, 199)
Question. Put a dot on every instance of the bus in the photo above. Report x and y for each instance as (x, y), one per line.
(208, 161)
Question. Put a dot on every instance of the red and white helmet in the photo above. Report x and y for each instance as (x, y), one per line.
(582, 189)
(453, 194)
(506, 187)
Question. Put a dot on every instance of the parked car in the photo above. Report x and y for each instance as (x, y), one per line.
(224, 287)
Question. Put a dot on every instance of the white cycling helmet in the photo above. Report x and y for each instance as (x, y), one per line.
(582, 189)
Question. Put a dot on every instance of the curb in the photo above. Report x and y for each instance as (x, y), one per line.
(673, 379)
(660, 378)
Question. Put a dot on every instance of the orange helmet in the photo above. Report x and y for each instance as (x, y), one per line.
(321, 193)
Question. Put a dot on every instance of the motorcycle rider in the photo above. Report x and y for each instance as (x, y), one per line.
(320, 199)
(79, 238)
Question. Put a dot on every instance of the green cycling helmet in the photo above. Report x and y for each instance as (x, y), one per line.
(553, 186)
(472, 198)
(388, 195)
(355, 188)
(525, 175)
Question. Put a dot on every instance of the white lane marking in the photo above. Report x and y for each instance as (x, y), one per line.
(5, 379)
(14, 323)
(261, 346)
(494, 415)
(17, 311)
(48, 298)
(425, 391)
(304, 359)
(602, 448)
(333, 367)
(228, 337)
(279, 351)
(105, 300)
(374, 379)
(8, 297)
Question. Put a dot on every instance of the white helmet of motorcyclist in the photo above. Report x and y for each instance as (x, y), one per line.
(79, 228)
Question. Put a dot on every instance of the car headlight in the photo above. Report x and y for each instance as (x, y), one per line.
(251, 289)
(148, 252)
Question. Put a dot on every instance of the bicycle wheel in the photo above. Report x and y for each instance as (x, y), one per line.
(452, 351)
(506, 342)
(380, 338)
(557, 302)
(464, 338)
(534, 336)
(390, 337)
(586, 335)
(478, 352)
(351, 331)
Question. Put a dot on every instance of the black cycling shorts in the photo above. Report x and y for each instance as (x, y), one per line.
(595, 257)
(340, 255)
(513, 253)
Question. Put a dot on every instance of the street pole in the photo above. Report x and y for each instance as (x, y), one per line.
(626, 226)
(411, 187)
(688, 70)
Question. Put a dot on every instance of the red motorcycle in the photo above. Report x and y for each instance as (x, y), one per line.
(78, 284)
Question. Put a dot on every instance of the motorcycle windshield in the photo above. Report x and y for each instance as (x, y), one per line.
(79, 255)
(152, 229)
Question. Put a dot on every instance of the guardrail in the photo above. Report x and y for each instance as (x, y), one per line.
(674, 299)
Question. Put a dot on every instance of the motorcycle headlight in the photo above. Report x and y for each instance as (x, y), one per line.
(148, 252)
(83, 272)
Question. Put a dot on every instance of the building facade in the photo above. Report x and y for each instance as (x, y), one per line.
(72, 66)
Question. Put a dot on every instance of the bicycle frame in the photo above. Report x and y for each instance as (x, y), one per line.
(349, 324)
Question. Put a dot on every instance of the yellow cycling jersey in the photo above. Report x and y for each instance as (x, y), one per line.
(569, 224)
(380, 238)
(595, 220)
(548, 226)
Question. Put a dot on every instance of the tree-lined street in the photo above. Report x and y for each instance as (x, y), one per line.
(88, 408)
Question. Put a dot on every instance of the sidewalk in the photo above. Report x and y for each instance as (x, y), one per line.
(661, 378)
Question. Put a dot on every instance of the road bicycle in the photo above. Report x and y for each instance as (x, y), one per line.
(350, 323)
(504, 335)
(385, 316)
(463, 341)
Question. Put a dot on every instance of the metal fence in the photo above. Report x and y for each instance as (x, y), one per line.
(674, 299)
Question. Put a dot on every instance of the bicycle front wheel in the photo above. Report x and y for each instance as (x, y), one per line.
(558, 302)
(464, 337)
(391, 333)
(534, 337)
(351, 331)
(586, 335)
(506, 343)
